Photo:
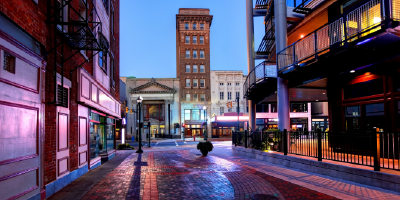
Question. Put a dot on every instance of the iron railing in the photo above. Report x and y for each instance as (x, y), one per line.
(167, 136)
(268, 41)
(350, 26)
(374, 149)
(261, 4)
(259, 74)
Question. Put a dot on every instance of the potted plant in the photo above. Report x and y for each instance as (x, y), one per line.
(205, 147)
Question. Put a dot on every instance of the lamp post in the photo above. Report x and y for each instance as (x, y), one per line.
(205, 128)
(139, 102)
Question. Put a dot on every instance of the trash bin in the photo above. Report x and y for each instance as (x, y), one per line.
(133, 138)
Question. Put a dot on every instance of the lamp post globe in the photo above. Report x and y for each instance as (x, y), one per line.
(139, 102)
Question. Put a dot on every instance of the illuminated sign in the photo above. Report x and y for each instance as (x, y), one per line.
(232, 118)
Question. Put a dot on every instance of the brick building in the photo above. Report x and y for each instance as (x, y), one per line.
(193, 68)
(60, 72)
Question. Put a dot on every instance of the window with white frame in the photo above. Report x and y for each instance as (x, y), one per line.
(195, 83)
(187, 68)
(194, 39)
(194, 26)
(187, 82)
(201, 39)
(221, 96)
(195, 98)
(194, 68)
(187, 39)
(221, 84)
(229, 95)
(201, 26)
(201, 68)
(221, 110)
(202, 82)
(237, 94)
(201, 54)
(187, 54)
(186, 26)
(194, 54)
(187, 97)
(202, 97)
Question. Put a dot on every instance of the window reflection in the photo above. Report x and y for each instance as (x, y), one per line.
(352, 118)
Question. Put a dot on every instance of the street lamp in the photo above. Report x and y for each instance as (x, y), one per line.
(205, 127)
(139, 102)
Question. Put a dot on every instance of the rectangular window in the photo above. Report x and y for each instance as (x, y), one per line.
(187, 54)
(229, 84)
(194, 26)
(112, 81)
(187, 97)
(374, 117)
(352, 118)
(186, 26)
(201, 26)
(187, 39)
(9, 62)
(195, 114)
(363, 89)
(187, 114)
(201, 39)
(202, 82)
(103, 61)
(194, 68)
(195, 98)
(187, 82)
(229, 95)
(105, 3)
(237, 84)
(237, 95)
(201, 68)
(221, 84)
(194, 54)
(221, 96)
(187, 68)
(111, 21)
(298, 107)
(274, 108)
(201, 54)
(195, 83)
(194, 39)
(221, 110)
(202, 97)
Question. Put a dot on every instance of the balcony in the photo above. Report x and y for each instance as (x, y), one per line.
(260, 82)
(268, 41)
(360, 37)
(303, 6)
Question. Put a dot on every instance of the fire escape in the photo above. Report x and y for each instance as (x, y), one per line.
(78, 27)
(268, 41)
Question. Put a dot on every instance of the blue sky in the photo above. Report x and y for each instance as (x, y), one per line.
(147, 28)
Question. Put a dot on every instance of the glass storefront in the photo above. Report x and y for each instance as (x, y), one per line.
(102, 134)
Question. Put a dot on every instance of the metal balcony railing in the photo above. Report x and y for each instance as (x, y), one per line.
(268, 41)
(261, 4)
(355, 24)
(303, 6)
(258, 75)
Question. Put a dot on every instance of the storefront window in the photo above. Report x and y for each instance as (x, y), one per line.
(363, 89)
(187, 114)
(298, 107)
(195, 114)
(352, 118)
(374, 117)
(96, 143)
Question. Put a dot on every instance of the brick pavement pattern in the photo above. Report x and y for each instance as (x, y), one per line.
(183, 175)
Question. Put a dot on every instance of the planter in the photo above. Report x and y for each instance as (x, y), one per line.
(204, 152)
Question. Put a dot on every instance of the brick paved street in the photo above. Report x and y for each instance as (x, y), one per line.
(181, 173)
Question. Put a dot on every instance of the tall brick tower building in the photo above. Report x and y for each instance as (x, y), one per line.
(193, 68)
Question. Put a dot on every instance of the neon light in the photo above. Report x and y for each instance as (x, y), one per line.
(123, 121)
(232, 118)
(123, 136)
(365, 41)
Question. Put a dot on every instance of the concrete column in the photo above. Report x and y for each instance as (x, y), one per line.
(281, 43)
(250, 55)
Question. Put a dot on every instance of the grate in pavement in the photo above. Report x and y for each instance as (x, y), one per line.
(264, 197)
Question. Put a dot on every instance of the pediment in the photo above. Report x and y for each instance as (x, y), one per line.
(152, 87)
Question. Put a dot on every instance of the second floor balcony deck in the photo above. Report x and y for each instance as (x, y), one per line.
(346, 43)
(260, 82)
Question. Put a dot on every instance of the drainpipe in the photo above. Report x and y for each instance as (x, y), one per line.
(250, 56)
(281, 43)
